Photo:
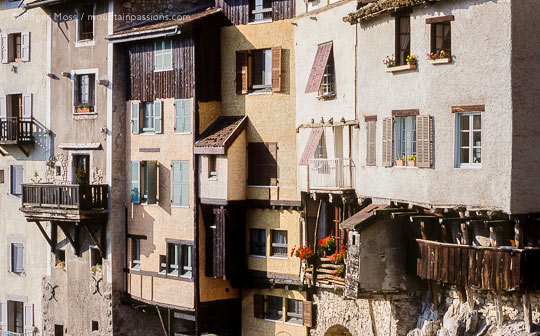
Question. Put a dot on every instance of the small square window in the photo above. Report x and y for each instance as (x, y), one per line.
(257, 242)
(274, 308)
(95, 326)
(279, 243)
(58, 330)
(60, 256)
(212, 162)
(135, 253)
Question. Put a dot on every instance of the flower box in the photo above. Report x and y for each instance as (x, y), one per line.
(401, 68)
(83, 110)
(411, 163)
(18, 60)
(400, 163)
(440, 61)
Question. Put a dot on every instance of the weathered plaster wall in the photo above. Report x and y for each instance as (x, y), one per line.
(481, 28)
(256, 326)
(525, 106)
(18, 78)
(271, 116)
(275, 220)
(237, 168)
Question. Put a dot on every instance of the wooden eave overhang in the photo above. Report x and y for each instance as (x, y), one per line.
(377, 8)
(42, 3)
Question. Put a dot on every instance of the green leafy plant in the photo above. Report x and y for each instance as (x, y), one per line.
(61, 264)
(389, 61)
(81, 176)
(96, 268)
(36, 178)
(339, 272)
(412, 158)
(85, 106)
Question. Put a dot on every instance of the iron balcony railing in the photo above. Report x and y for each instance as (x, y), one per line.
(15, 129)
(69, 196)
(331, 173)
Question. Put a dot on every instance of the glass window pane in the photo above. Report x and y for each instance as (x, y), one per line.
(464, 155)
(477, 124)
(268, 67)
(464, 139)
(477, 155)
(464, 122)
(477, 139)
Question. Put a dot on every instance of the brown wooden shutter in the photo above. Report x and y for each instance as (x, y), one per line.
(387, 142)
(307, 314)
(242, 72)
(258, 306)
(424, 140)
(311, 145)
(319, 65)
(276, 69)
(371, 152)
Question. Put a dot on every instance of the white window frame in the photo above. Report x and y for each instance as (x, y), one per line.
(135, 263)
(142, 113)
(85, 43)
(279, 245)
(267, 71)
(471, 146)
(409, 140)
(71, 172)
(74, 74)
(162, 54)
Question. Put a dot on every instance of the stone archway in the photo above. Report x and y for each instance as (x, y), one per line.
(337, 330)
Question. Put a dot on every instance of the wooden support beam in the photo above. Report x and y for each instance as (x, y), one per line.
(527, 316)
(73, 240)
(49, 240)
(162, 323)
(96, 241)
(54, 236)
(25, 152)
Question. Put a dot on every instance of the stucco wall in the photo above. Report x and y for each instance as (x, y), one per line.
(24, 77)
(256, 326)
(479, 74)
(214, 187)
(237, 168)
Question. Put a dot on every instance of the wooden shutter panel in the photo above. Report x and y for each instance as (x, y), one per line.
(424, 140)
(387, 142)
(151, 179)
(184, 183)
(276, 69)
(307, 314)
(158, 112)
(186, 116)
(176, 183)
(3, 315)
(27, 106)
(182, 116)
(16, 179)
(3, 107)
(28, 319)
(242, 72)
(76, 100)
(135, 182)
(135, 113)
(4, 48)
(25, 46)
(371, 152)
(258, 306)
(319, 65)
(17, 251)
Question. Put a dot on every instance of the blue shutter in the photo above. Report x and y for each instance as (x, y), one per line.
(135, 182)
(135, 112)
(158, 55)
(16, 180)
(17, 251)
(176, 183)
(182, 116)
(158, 120)
(185, 183)
(168, 55)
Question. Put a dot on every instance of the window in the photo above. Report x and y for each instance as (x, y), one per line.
(187, 262)
(274, 308)
(180, 183)
(182, 116)
(162, 264)
(15, 47)
(16, 179)
(371, 150)
(404, 137)
(85, 86)
(294, 311)
(144, 182)
(95, 257)
(172, 257)
(95, 326)
(260, 10)
(441, 38)
(1, 176)
(262, 164)
(86, 23)
(261, 70)
(17, 258)
(163, 55)
(58, 330)
(146, 117)
(60, 257)
(469, 139)
(212, 172)
(81, 169)
(257, 242)
(279, 243)
(403, 39)
(135, 253)
(328, 85)
(15, 312)
(180, 259)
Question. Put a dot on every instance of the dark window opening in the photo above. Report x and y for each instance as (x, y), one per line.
(162, 264)
(85, 93)
(15, 106)
(279, 243)
(261, 70)
(212, 172)
(135, 253)
(58, 330)
(95, 257)
(95, 326)
(1, 176)
(172, 257)
(260, 10)
(274, 308)
(441, 38)
(15, 316)
(294, 311)
(81, 169)
(86, 23)
(403, 39)
(257, 242)
(262, 164)
(15, 47)
(60, 256)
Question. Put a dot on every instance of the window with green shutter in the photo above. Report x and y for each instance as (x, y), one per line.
(182, 116)
(180, 183)
(144, 187)
(163, 54)
(135, 182)
(135, 113)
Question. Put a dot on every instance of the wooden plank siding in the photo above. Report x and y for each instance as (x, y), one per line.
(237, 11)
(480, 267)
(145, 84)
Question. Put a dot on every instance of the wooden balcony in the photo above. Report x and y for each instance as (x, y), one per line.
(331, 174)
(14, 130)
(65, 202)
(322, 274)
(493, 268)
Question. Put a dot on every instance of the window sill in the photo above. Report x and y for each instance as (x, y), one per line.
(279, 258)
(180, 206)
(298, 324)
(329, 96)
(260, 92)
(275, 321)
(259, 22)
(182, 133)
(213, 178)
(256, 256)
(405, 167)
(468, 167)
(163, 70)
(85, 43)
(440, 61)
(401, 68)
(259, 186)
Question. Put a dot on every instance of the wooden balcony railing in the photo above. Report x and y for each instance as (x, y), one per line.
(70, 196)
(480, 267)
(14, 129)
(323, 274)
(331, 173)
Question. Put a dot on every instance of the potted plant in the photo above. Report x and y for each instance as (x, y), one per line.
(327, 245)
(441, 57)
(339, 257)
(390, 61)
(61, 264)
(339, 272)
(400, 161)
(411, 161)
(411, 59)
(81, 176)
(303, 252)
(84, 108)
(96, 268)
